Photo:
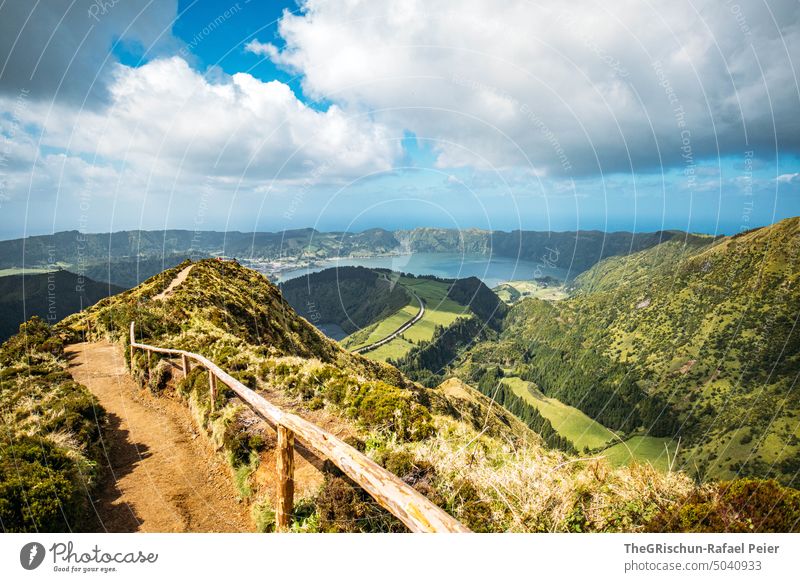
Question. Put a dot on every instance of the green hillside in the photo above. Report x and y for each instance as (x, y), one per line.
(350, 297)
(448, 302)
(692, 339)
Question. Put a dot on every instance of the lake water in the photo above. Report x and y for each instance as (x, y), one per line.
(491, 270)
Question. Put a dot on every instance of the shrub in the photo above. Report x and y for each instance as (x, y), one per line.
(742, 505)
(342, 506)
(160, 376)
(40, 487)
(263, 515)
(390, 409)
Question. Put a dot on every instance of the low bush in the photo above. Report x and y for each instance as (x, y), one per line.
(41, 487)
(742, 505)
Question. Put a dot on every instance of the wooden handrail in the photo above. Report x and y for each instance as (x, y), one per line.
(401, 500)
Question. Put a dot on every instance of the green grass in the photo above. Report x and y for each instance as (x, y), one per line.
(642, 449)
(396, 348)
(383, 328)
(570, 422)
(514, 291)
(439, 310)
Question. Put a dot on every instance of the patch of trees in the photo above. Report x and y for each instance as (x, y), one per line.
(481, 300)
(490, 385)
(426, 362)
(604, 390)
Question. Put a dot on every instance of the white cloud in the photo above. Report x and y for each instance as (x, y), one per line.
(789, 178)
(264, 49)
(165, 118)
(557, 85)
(169, 138)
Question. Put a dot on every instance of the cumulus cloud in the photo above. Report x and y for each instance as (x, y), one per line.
(568, 88)
(168, 121)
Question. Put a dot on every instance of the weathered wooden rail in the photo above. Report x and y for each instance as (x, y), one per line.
(401, 500)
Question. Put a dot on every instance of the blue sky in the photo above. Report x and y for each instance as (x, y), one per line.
(350, 115)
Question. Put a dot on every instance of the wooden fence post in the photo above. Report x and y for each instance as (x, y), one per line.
(285, 466)
(133, 341)
(212, 385)
(185, 365)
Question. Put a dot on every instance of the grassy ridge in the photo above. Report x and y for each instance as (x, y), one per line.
(440, 311)
(49, 436)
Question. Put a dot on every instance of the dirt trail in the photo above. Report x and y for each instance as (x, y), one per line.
(179, 278)
(162, 477)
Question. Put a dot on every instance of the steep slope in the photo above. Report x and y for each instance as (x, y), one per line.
(694, 339)
(51, 296)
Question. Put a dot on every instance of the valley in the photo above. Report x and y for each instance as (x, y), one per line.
(672, 365)
(667, 368)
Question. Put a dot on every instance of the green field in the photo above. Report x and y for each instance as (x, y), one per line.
(439, 310)
(643, 449)
(381, 329)
(583, 431)
(570, 422)
(513, 291)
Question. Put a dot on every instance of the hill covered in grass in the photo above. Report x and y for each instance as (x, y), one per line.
(448, 304)
(451, 442)
(50, 296)
(348, 297)
(694, 339)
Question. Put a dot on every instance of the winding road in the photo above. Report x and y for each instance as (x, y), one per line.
(398, 331)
